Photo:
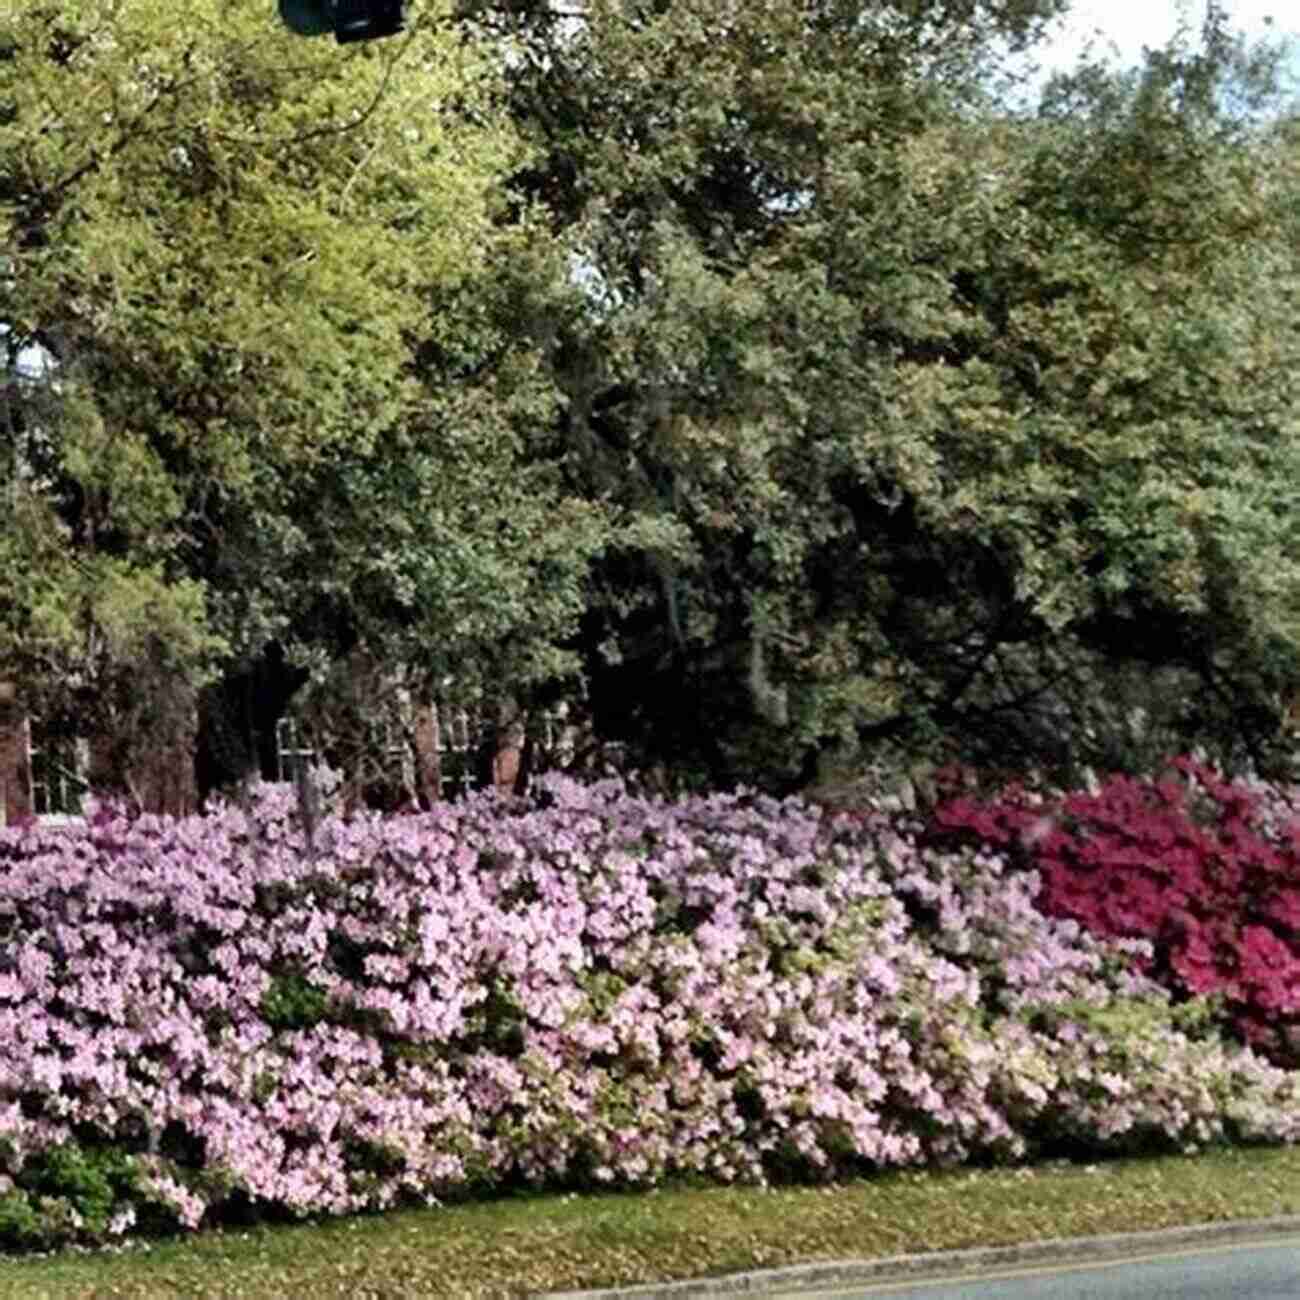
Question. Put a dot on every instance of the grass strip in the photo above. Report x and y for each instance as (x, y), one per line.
(528, 1245)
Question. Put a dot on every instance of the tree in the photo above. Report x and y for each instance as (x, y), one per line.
(227, 244)
(934, 424)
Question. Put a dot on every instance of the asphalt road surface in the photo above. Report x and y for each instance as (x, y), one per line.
(1267, 1270)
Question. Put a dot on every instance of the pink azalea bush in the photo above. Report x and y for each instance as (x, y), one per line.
(1204, 869)
(207, 1017)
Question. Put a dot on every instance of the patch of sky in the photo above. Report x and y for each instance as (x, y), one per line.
(29, 361)
(1117, 33)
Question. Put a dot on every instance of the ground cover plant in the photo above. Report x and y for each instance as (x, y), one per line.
(215, 1019)
(1205, 869)
(538, 1244)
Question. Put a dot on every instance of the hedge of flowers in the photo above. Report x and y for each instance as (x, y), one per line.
(1205, 869)
(209, 1017)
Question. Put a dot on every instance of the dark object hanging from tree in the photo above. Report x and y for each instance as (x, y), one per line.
(349, 20)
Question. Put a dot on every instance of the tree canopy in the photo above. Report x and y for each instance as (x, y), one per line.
(945, 425)
(226, 247)
(761, 377)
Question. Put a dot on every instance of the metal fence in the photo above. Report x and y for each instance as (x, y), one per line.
(465, 739)
(58, 767)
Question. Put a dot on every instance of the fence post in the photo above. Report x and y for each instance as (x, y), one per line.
(15, 759)
(508, 746)
(426, 742)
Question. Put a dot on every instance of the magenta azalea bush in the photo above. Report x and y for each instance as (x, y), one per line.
(1205, 869)
(207, 1018)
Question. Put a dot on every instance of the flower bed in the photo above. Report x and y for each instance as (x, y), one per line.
(200, 1018)
(1205, 870)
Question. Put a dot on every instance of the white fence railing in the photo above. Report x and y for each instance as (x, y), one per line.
(462, 740)
(58, 768)
(466, 741)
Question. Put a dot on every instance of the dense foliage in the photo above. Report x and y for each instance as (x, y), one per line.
(1206, 870)
(945, 426)
(778, 385)
(220, 251)
(213, 1017)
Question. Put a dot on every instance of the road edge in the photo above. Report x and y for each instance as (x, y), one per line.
(929, 1264)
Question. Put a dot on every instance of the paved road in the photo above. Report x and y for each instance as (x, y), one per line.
(1244, 1259)
(1255, 1271)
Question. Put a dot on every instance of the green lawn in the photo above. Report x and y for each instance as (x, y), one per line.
(527, 1245)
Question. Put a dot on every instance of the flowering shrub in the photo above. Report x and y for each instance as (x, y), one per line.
(1206, 870)
(201, 1017)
